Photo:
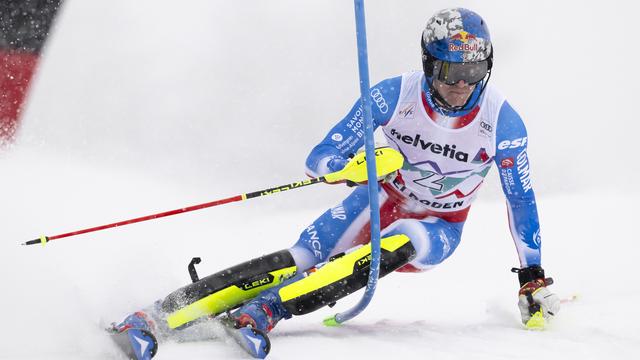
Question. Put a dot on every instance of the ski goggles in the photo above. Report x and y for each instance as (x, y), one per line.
(451, 73)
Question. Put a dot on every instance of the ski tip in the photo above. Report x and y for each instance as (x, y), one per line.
(331, 321)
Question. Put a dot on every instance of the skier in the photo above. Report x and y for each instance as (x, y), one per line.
(450, 126)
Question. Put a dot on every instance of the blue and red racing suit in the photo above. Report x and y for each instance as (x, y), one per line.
(446, 161)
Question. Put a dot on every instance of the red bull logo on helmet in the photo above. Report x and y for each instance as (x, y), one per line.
(463, 36)
(462, 41)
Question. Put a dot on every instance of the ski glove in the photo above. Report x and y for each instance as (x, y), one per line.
(384, 178)
(534, 298)
(336, 164)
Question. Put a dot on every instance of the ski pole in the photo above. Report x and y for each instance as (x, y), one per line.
(569, 299)
(374, 206)
(387, 159)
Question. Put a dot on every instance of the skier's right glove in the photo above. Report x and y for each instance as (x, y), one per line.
(337, 164)
(535, 301)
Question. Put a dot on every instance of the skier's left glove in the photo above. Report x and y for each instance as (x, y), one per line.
(535, 301)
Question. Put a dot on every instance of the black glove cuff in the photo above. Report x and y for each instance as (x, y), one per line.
(530, 273)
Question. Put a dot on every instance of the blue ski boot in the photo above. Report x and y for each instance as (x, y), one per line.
(249, 325)
(134, 336)
(262, 313)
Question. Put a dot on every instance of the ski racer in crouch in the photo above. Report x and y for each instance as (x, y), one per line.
(450, 126)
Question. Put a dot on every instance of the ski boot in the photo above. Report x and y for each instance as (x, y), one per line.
(262, 313)
(249, 325)
(134, 336)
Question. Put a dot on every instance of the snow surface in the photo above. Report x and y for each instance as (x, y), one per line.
(144, 106)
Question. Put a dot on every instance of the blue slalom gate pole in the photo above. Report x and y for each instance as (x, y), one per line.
(374, 203)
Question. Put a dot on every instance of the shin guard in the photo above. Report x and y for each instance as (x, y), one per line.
(344, 275)
(227, 289)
